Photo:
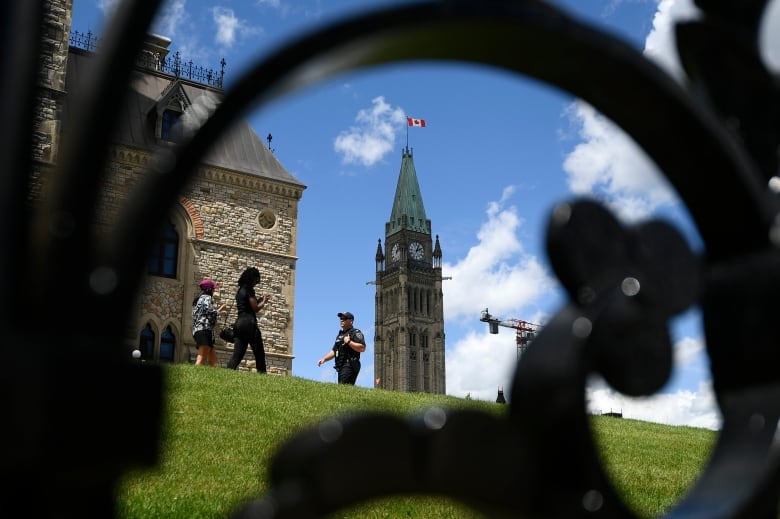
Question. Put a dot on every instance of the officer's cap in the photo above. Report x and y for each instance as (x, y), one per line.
(346, 315)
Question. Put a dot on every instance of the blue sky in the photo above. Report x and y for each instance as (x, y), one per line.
(498, 151)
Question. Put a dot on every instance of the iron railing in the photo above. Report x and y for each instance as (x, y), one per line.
(174, 65)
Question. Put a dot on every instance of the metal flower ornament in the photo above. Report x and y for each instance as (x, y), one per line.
(623, 282)
(627, 283)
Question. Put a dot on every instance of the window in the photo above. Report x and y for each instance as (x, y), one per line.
(146, 343)
(165, 253)
(266, 219)
(169, 120)
(167, 345)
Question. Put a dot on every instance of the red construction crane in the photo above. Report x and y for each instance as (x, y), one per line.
(524, 331)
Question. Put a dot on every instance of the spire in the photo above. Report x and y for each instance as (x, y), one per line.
(408, 211)
(380, 257)
(437, 253)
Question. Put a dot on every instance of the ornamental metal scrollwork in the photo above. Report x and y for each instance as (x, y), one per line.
(623, 283)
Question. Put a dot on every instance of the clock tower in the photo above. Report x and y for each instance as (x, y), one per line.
(409, 313)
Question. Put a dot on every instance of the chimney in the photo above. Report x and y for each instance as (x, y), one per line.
(154, 51)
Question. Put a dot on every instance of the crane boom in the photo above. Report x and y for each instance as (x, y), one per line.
(524, 330)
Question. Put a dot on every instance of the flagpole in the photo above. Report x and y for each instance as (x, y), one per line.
(407, 134)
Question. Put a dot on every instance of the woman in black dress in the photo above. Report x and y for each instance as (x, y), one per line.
(247, 331)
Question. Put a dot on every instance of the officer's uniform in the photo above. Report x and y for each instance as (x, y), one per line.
(348, 360)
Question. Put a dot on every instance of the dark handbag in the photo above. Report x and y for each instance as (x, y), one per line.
(228, 333)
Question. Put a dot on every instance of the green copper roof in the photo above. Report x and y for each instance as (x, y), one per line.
(408, 201)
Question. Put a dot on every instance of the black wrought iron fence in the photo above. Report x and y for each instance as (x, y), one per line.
(722, 126)
(174, 64)
(84, 40)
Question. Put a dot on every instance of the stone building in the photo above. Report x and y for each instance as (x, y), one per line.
(409, 305)
(240, 210)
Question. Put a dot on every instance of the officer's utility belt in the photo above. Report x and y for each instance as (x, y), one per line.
(343, 360)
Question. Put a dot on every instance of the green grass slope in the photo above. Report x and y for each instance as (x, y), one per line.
(223, 427)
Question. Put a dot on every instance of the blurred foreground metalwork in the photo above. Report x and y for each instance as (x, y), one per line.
(80, 413)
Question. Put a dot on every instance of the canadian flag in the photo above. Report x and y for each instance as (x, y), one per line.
(416, 122)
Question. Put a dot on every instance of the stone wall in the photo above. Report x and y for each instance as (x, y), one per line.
(226, 220)
(220, 236)
(53, 65)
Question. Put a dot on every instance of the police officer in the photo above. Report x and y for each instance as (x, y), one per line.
(349, 344)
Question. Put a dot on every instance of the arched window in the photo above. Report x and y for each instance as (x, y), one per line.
(167, 345)
(169, 119)
(165, 254)
(146, 342)
(411, 374)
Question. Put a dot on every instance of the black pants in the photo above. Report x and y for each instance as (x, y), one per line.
(348, 371)
(247, 334)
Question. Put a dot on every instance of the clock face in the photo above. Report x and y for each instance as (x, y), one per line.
(416, 250)
(396, 253)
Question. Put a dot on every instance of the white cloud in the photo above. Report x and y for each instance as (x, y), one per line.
(683, 407)
(661, 45)
(508, 279)
(373, 135)
(107, 6)
(170, 18)
(230, 27)
(770, 36)
(304, 10)
(687, 349)
(480, 364)
(692, 407)
(608, 164)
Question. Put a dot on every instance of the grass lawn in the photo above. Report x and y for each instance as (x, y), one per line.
(223, 427)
